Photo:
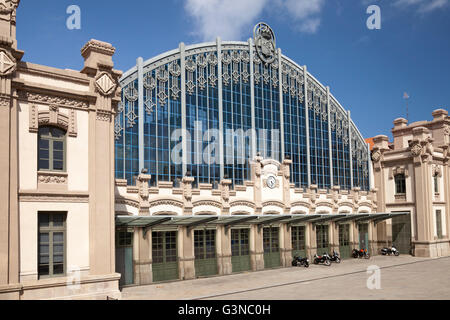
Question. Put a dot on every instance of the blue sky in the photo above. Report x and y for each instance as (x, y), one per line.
(367, 70)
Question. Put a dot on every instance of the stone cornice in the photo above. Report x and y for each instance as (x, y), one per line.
(243, 203)
(38, 196)
(59, 98)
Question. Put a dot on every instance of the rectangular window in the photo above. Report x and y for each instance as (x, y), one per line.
(436, 184)
(51, 245)
(439, 224)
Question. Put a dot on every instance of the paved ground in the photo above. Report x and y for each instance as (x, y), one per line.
(402, 277)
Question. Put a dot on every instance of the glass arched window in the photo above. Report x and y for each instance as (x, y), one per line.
(400, 184)
(52, 149)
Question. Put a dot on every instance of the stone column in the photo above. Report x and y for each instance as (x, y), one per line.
(186, 254)
(98, 66)
(224, 251)
(312, 239)
(308, 243)
(9, 217)
(142, 261)
(286, 250)
(334, 227)
(422, 150)
(256, 171)
(286, 169)
(256, 248)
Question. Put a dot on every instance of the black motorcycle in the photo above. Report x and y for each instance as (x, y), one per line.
(325, 259)
(363, 253)
(299, 261)
(390, 251)
(335, 257)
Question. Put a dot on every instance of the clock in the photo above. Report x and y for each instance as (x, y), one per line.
(271, 182)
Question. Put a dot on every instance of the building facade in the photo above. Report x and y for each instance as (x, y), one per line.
(57, 180)
(211, 159)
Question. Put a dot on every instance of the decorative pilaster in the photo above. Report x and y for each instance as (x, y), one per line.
(256, 169)
(9, 218)
(99, 67)
(286, 169)
(225, 195)
(142, 184)
(187, 194)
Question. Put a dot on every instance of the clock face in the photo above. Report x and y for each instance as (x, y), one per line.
(271, 182)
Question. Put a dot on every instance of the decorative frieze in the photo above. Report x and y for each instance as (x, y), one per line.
(52, 100)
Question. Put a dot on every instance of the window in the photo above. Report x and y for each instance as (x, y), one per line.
(51, 245)
(400, 184)
(52, 149)
(439, 224)
(436, 184)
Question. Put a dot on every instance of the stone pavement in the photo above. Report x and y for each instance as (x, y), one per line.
(403, 277)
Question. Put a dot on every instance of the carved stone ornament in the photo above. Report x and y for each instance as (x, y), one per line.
(7, 62)
(105, 84)
(265, 43)
(8, 6)
(416, 150)
(376, 156)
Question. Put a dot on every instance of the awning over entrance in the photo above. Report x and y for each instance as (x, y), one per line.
(190, 222)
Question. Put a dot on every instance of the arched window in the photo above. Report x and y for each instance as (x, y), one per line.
(400, 184)
(52, 149)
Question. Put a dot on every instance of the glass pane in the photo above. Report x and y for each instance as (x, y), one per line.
(58, 145)
(58, 248)
(58, 220)
(43, 238)
(44, 131)
(43, 144)
(44, 165)
(58, 258)
(44, 248)
(58, 165)
(44, 259)
(43, 270)
(58, 269)
(43, 154)
(58, 155)
(58, 133)
(44, 220)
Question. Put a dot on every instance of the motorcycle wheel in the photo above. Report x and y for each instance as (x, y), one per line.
(367, 256)
(294, 263)
(327, 262)
(338, 260)
(316, 261)
(397, 254)
(306, 265)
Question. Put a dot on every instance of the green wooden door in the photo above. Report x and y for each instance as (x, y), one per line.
(240, 250)
(322, 239)
(344, 241)
(298, 241)
(401, 233)
(124, 257)
(164, 256)
(364, 236)
(271, 242)
(205, 253)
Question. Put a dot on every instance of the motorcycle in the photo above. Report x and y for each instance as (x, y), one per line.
(360, 254)
(325, 259)
(390, 251)
(299, 261)
(335, 257)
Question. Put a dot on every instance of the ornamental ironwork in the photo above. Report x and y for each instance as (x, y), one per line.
(265, 43)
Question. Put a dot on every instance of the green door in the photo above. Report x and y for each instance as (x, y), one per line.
(323, 244)
(240, 250)
(344, 241)
(205, 253)
(298, 241)
(271, 242)
(164, 256)
(364, 236)
(401, 233)
(124, 257)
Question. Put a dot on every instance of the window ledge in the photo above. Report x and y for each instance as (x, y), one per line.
(400, 197)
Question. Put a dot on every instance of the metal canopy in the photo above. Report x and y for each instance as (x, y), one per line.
(303, 218)
(199, 222)
(351, 217)
(327, 217)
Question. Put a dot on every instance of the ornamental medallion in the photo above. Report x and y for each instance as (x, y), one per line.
(265, 43)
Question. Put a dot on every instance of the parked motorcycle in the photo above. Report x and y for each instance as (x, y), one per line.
(325, 259)
(363, 253)
(299, 261)
(390, 251)
(335, 257)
